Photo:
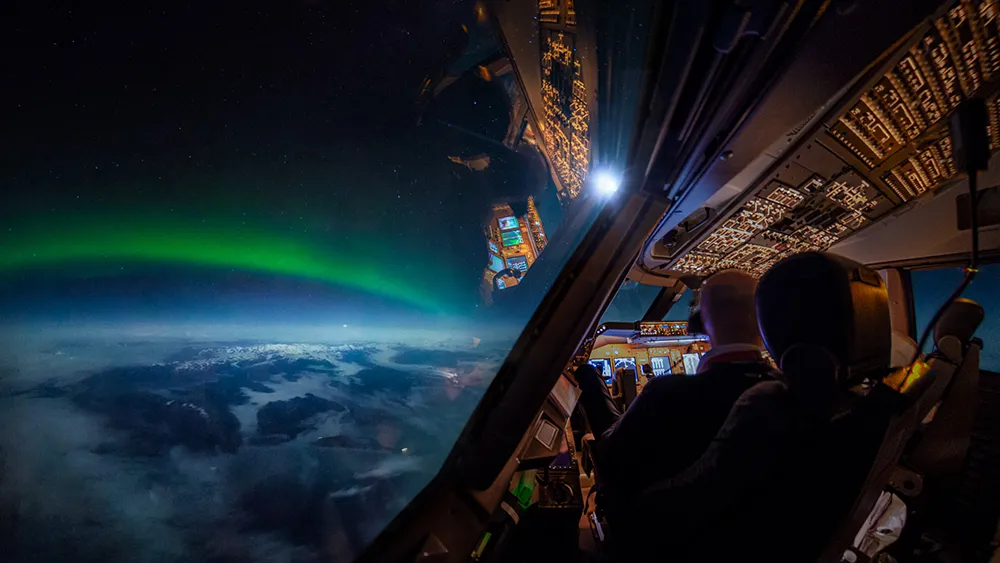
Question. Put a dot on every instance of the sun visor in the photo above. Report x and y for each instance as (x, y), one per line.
(829, 301)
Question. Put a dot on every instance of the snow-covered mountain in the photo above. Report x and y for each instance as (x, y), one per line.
(261, 353)
(210, 443)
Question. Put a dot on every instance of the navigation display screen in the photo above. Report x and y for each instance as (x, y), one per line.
(691, 363)
(496, 263)
(626, 363)
(603, 365)
(518, 263)
(508, 223)
(510, 238)
(660, 365)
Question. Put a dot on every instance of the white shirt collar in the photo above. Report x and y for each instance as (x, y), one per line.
(724, 349)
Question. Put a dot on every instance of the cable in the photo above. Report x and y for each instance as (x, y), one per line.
(971, 152)
(970, 271)
(974, 222)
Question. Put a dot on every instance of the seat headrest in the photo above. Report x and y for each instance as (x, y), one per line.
(903, 349)
(960, 319)
(825, 300)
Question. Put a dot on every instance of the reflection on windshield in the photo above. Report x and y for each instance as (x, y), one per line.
(681, 309)
(634, 299)
(258, 265)
(631, 302)
(932, 287)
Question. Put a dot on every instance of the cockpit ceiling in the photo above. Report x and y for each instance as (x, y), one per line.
(886, 146)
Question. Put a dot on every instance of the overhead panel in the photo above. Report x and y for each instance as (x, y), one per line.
(887, 146)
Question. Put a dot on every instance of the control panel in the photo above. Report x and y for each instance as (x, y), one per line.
(666, 328)
(884, 147)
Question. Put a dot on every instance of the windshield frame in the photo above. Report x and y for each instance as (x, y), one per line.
(558, 326)
(549, 340)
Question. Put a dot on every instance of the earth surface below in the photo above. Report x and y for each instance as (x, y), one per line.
(223, 451)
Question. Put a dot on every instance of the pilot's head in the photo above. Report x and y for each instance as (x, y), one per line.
(727, 308)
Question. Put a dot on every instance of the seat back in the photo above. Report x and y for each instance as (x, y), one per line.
(834, 480)
(944, 445)
(917, 390)
(813, 306)
(945, 440)
(816, 488)
(627, 385)
(759, 476)
(902, 409)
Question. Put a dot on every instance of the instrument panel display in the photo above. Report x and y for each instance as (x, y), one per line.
(665, 328)
(950, 62)
(784, 220)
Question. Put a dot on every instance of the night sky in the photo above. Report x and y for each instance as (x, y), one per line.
(203, 159)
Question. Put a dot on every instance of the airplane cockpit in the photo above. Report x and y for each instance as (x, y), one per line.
(635, 353)
(844, 156)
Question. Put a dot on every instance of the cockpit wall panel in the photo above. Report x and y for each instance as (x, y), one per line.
(906, 239)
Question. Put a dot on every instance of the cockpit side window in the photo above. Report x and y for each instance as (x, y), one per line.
(932, 287)
(631, 302)
(681, 309)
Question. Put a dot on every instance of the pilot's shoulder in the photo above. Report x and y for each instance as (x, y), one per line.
(763, 404)
(764, 391)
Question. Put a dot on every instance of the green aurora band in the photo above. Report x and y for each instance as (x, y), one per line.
(114, 240)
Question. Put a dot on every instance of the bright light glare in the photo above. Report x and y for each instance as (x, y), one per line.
(606, 183)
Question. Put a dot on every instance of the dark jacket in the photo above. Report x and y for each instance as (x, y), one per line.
(727, 505)
(669, 425)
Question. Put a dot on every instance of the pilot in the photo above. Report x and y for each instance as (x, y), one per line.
(647, 373)
(673, 420)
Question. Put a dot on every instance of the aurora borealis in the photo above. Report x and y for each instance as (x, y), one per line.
(163, 240)
(274, 142)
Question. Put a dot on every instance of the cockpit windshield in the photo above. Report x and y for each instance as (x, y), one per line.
(260, 261)
(631, 302)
